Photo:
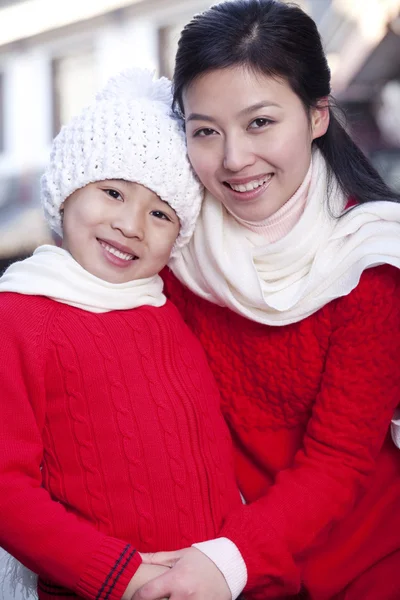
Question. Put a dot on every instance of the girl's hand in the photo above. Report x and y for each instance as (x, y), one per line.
(193, 575)
(145, 573)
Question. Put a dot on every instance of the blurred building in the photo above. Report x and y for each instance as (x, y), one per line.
(362, 41)
(55, 55)
(53, 58)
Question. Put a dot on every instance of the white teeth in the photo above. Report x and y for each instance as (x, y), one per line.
(118, 253)
(252, 185)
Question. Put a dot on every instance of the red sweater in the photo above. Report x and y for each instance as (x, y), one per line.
(111, 439)
(309, 406)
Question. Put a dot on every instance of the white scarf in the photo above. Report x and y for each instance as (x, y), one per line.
(320, 259)
(52, 272)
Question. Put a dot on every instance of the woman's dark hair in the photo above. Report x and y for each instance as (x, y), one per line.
(278, 40)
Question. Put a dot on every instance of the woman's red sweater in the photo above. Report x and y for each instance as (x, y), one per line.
(309, 407)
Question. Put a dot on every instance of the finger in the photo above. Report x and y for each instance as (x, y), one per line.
(166, 559)
(147, 557)
(154, 590)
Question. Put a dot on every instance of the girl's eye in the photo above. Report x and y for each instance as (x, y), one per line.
(259, 123)
(205, 132)
(160, 215)
(114, 194)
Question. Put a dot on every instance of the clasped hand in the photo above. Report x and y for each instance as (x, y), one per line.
(191, 575)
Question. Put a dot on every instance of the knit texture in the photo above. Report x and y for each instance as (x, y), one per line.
(309, 406)
(111, 440)
(128, 133)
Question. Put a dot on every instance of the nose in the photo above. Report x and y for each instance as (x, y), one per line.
(238, 154)
(130, 221)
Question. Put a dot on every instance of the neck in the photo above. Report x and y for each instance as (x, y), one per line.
(282, 221)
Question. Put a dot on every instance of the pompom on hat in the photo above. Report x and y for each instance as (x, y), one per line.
(128, 133)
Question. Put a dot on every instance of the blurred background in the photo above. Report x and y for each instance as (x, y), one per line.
(55, 54)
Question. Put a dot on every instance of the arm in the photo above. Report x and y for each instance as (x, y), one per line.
(359, 390)
(37, 530)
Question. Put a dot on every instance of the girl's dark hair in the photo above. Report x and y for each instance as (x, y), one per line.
(278, 40)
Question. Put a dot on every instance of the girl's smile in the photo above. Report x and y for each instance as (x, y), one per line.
(117, 254)
(119, 231)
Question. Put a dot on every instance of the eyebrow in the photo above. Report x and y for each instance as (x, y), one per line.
(245, 111)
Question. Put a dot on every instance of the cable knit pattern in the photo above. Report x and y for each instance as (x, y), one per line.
(309, 405)
(111, 439)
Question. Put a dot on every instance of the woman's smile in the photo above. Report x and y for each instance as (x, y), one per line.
(249, 139)
(250, 190)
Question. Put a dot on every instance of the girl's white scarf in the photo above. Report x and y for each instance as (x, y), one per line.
(320, 259)
(52, 272)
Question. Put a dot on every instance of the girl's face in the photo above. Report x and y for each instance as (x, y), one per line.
(119, 231)
(249, 139)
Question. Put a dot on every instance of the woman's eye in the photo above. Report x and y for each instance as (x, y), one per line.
(160, 215)
(114, 194)
(259, 123)
(205, 132)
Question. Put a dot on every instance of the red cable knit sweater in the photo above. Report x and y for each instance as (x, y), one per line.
(111, 439)
(309, 406)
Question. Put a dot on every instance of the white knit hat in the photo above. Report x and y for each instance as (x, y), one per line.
(128, 133)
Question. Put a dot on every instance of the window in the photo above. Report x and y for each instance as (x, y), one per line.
(74, 85)
(168, 38)
(1, 112)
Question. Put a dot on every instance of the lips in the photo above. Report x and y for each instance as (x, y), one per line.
(248, 186)
(249, 189)
(118, 250)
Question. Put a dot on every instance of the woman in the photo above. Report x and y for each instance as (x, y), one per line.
(292, 283)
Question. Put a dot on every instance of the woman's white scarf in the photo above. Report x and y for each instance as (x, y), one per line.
(320, 259)
(52, 272)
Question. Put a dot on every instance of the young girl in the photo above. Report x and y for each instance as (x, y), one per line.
(294, 280)
(111, 437)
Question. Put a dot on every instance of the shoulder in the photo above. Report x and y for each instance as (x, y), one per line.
(377, 284)
(376, 298)
(21, 313)
(10, 301)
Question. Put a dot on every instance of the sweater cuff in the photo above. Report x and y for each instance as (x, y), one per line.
(395, 427)
(119, 561)
(226, 556)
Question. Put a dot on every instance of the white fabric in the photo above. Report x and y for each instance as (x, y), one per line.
(283, 220)
(320, 259)
(16, 581)
(128, 133)
(52, 272)
(395, 428)
(227, 557)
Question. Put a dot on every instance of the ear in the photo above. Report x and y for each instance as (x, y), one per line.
(320, 118)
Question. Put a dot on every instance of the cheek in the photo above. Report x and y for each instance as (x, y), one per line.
(203, 160)
(163, 242)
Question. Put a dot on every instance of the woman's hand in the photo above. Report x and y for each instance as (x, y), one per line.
(193, 575)
(145, 573)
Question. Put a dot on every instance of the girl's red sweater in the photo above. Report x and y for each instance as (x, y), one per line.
(309, 407)
(111, 440)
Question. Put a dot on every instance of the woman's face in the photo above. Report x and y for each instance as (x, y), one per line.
(249, 139)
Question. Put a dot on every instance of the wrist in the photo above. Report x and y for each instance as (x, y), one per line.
(228, 559)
